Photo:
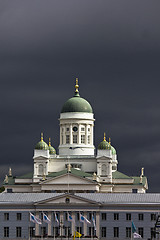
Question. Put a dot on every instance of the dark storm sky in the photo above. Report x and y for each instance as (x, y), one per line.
(113, 47)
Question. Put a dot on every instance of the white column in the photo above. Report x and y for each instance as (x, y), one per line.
(61, 222)
(79, 134)
(70, 133)
(85, 225)
(64, 135)
(73, 223)
(86, 134)
(98, 225)
(91, 129)
(60, 134)
(37, 225)
(50, 225)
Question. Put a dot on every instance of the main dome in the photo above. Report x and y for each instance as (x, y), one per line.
(76, 103)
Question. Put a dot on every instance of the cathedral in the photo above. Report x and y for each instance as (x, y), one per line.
(77, 167)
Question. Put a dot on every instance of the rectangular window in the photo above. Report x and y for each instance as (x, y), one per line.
(74, 138)
(6, 231)
(90, 216)
(88, 129)
(56, 231)
(153, 234)
(103, 232)
(82, 129)
(67, 129)
(19, 216)
(18, 232)
(62, 138)
(66, 216)
(91, 231)
(116, 216)
(67, 138)
(82, 138)
(43, 231)
(140, 231)
(32, 231)
(128, 216)
(67, 231)
(116, 232)
(78, 216)
(128, 232)
(6, 216)
(153, 217)
(134, 190)
(104, 216)
(89, 139)
(79, 229)
(140, 216)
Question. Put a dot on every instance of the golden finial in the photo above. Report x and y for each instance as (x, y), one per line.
(76, 86)
(104, 138)
(142, 172)
(69, 167)
(44, 177)
(49, 142)
(41, 137)
(6, 179)
(10, 172)
(109, 141)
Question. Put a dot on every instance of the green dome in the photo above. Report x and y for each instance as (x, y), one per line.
(113, 150)
(76, 104)
(41, 145)
(104, 145)
(51, 150)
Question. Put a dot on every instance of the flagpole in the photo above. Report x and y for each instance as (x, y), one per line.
(79, 225)
(54, 227)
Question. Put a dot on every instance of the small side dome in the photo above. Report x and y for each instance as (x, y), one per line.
(51, 149)
(104, 145)
(76, 103)
(41, 145)
(113, 150)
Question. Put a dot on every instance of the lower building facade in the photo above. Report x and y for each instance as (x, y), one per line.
(109, 216)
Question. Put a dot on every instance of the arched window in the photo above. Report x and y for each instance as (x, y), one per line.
(40, 169)
(103, 169)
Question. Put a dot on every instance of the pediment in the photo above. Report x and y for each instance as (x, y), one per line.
(67, 179)
(66, 199)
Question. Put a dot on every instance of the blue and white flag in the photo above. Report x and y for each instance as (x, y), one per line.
(133, 227)
(70, 218)
(46, 219)
(35, 219)
(56, 218)
(136, 235)
(94, 222)
(84, 219)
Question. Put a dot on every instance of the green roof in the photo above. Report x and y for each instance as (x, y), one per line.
(26, 176)
(51, 150)
(76, 104)
(73, 171)
(104, 145)
(137, 180)
(41, 145)
(11, 181)
(120, 175)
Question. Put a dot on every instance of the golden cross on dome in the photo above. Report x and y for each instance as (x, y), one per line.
(41, 137)
(76, 86)
(49, 142)
(104, 139)
(109, 141)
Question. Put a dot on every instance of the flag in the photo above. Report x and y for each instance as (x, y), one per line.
(83, 219)
(46, 219)
(70, 219)
(133, 228)
(56, 219)
(78, 234)
(94, 222)
(136, 235)
(35, 219)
